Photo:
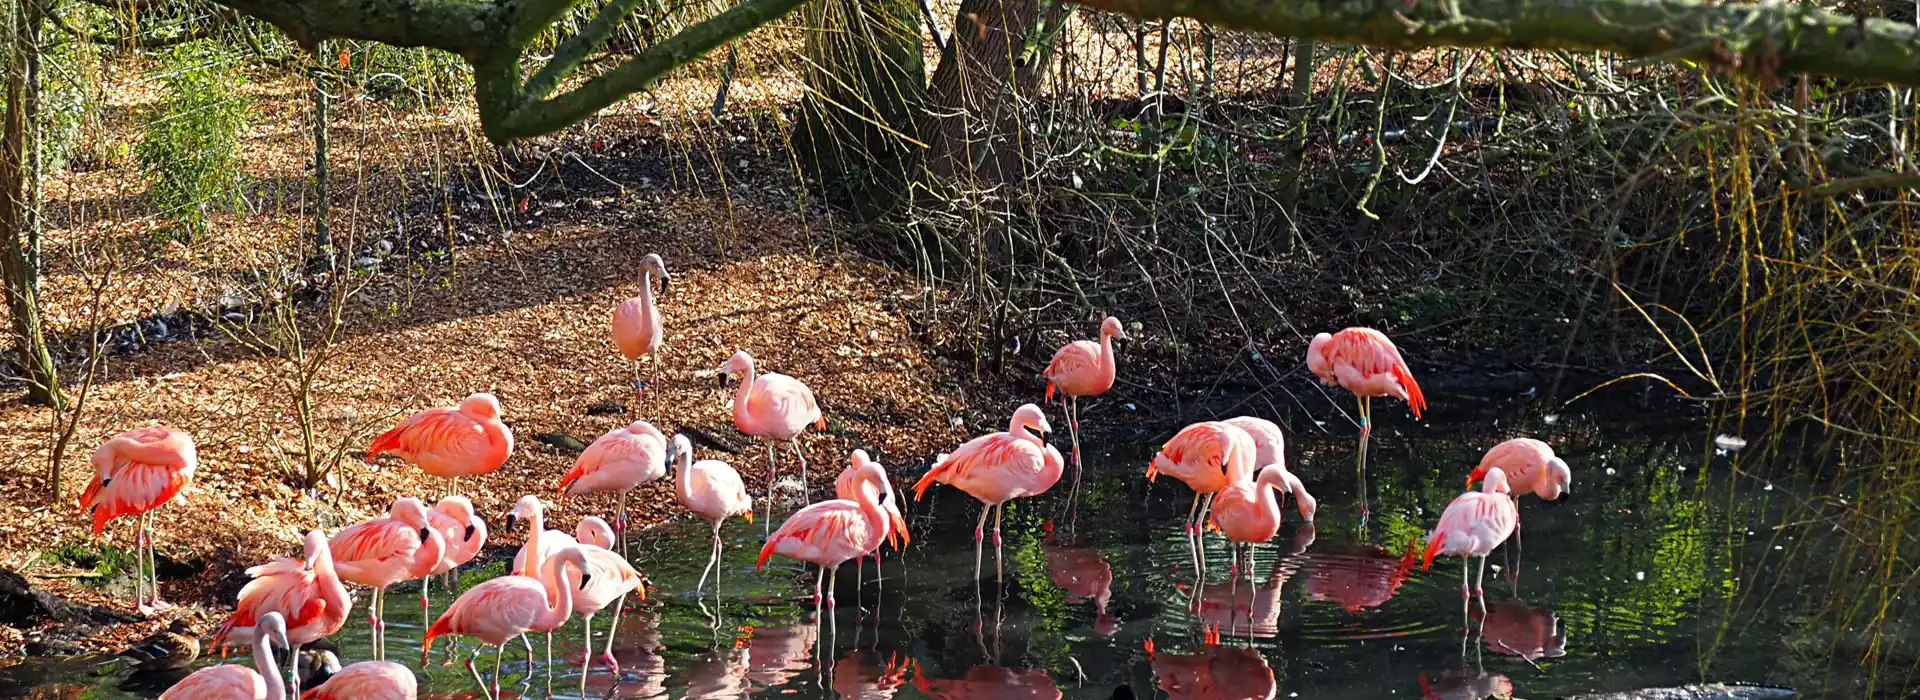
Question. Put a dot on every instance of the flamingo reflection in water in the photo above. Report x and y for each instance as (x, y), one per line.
(1215, 673)
(1514, 628)
(1466, 685)
(642, 672)
(1356, 577)
(1084, 574)
(862, 675)
(983, 682)
(777, 654)
(1245, 608)
(720, 673)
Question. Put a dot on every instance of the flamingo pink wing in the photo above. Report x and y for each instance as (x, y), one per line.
(226, 682)
(379, 538)
(368, 680)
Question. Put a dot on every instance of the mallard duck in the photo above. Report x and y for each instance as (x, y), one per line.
(170, 649)
(316, 666)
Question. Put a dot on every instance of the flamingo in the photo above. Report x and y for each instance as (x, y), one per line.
(773, 407)
(1252, 610)
(1207, 456)
(235, 682)
(306, 595)
(368, 680)
(622, 460)
(829, 533)
(466, 440)
(380, 552)
(1531, 467)
(999, 467)
(134, 473)
(1083, 368)
(1473, 524)
(500, 609)
(844, 486)
(608, 578)
(1363, 361)
(710, 489)
(464, 533)
(1269, 445)
(531, 509)
(636, 323)
(1247, 512)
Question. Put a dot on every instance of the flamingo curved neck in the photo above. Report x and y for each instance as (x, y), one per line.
(536, 524)
(559, 593)
(646, 288)
(681, 486)
(263, 664)
(1106, 353)
(871, 509)
(747, 377)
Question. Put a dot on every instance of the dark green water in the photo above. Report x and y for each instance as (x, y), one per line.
(1665, 567)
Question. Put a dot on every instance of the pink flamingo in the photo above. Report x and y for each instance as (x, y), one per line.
(999, 467)
(500, 609)
(532, 510)
(1207, 456)
(844, 486)
(466, 440)
(1247, 512)
(1531, 467)
(608, 578)
(1363, 361)
(368, 680)
(305, 594)
(1083, 368)
(134, 473)
(234, 682)
(712, 490)
(380, 552)
(622, 460)
(636, 323)
(464, 533)
(829, 533)
(1269, 445)
(1473, 524)
(776, 408)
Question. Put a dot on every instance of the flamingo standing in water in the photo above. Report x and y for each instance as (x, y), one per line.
(608, 577)
(235, 682)
(775, 408)
(636, 324)
(1473, 524)
(999, 467)
(843, 488)
(622, 460)
(134, 473)
(1207, 456)
(306, 595)
(380, 552)
(368, 680)
(464, 533)
(712, 490)
(1363, 361)
(466, 440)
(1083, 368)
(829, 533)
(500, 609)
(1247, 512)
(1531, 467)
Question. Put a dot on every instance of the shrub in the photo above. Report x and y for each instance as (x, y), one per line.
(190, 147)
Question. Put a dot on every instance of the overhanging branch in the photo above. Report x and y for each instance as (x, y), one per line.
(1760, 39)
(534, 116)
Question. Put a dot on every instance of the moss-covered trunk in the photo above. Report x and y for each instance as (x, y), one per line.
(16, 207)
(865, 90)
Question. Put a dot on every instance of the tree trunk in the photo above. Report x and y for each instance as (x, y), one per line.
(322, 236)
(866, 87)
(980, 88)
(16, 208)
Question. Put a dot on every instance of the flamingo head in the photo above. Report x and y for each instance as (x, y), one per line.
(1496, 482)
(275, 628)
(317, 548)
(461, 510)
(594, 531)
(481, 405)
(1111, 328)
(1559, 481)
(741, 363)
(655, 266)
(1031, 417)
(409, 510)
(527, 508)
(1317, 359)
(680, 451)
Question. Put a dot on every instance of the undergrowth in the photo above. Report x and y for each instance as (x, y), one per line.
(191, 142)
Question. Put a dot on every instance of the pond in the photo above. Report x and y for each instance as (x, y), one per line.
(1666, 566)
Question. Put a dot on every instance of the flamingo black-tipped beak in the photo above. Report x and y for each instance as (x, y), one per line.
(666, 285)
(423, 534)
(469, 535)
(585, 578)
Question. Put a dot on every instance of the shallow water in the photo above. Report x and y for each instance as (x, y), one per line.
(1663, 572)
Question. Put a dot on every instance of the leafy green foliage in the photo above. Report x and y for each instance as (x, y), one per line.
(189, 151)
(408, 76)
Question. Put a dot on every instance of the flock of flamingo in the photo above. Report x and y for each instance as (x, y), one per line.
(1234, 467)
